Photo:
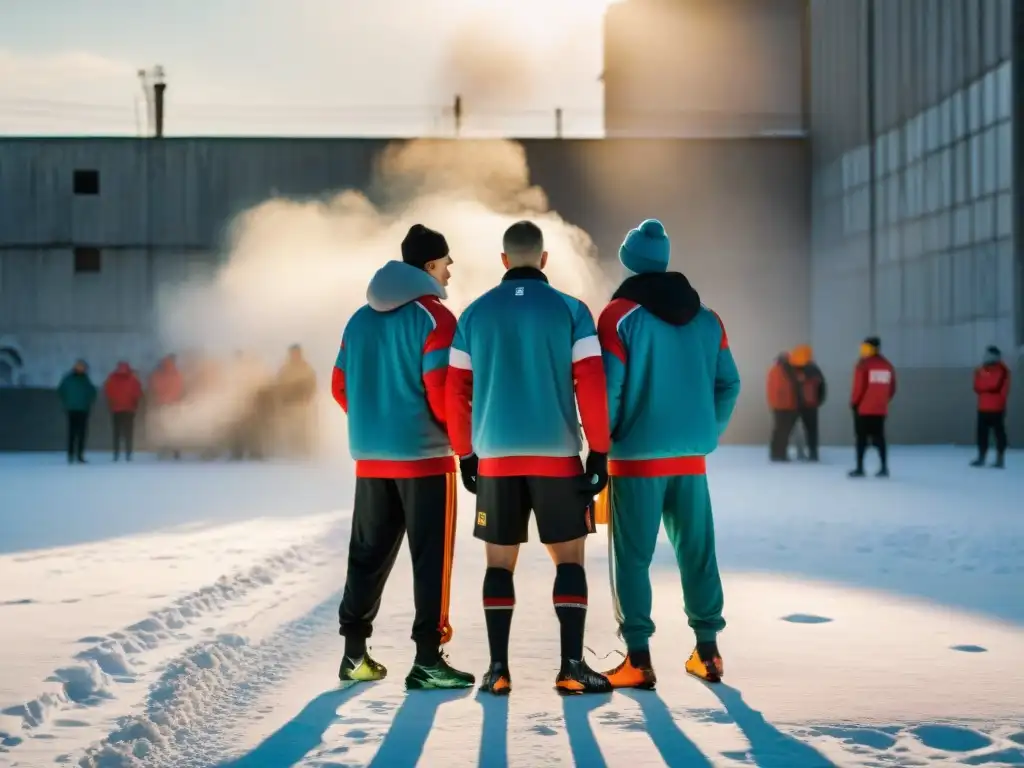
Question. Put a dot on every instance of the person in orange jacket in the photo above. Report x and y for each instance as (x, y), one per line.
(166, 388)
(992, 385)
(123, 391)
(782, 400)
(874, 386)
(811, 391)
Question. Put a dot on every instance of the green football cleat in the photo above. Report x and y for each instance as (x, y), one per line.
(364, 670)
(440, 675)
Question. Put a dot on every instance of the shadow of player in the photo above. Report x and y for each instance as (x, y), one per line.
(670, 741)
(404, 742)
(769, 747)
(300, 735)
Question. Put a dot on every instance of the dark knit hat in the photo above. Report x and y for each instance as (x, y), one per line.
(873, 341)
(994, 351)
(422, 245)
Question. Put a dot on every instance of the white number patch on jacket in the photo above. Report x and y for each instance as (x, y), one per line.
(879, 377)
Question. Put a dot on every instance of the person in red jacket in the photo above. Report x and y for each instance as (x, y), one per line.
(123, 391)
(992, 384)
(874, 386)
(783, 402)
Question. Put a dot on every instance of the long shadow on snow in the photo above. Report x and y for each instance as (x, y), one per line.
(576, 711)
(405, 739)
(300, 735)
(673, 745)
(494, 734)
(769, 747)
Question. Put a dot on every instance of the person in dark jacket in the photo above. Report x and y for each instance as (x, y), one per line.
(77, 394)
(123, 391)
(874, 386)
(810, 391)
(992, 385)
(782, 400)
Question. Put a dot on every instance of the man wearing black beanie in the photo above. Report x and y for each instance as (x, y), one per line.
(389, 378)
(427, 249)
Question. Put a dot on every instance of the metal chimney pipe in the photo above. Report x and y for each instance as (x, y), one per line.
(158, 94)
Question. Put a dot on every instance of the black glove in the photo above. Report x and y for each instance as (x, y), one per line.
(467, 468)
(595, 475)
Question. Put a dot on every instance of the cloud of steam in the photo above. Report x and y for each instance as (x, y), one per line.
(298, 269)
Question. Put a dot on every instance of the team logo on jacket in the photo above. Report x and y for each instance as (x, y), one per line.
(879, 376)
(520, 291)
(481, 518)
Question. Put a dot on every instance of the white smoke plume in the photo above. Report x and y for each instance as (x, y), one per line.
(297, 269)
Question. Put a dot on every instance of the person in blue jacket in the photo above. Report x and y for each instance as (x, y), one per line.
(77, 395)
(672, 386)
(525, 355)
(389, 377)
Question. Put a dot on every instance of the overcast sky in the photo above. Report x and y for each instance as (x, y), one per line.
(302, 67)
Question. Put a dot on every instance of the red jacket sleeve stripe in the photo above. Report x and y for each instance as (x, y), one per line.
(591, 393)
(338, 388)
(608, 327)
(437, 345)
(725, 336)
(459, 407)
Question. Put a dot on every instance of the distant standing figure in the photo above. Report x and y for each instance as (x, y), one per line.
(874, 386)
(782, 400)
(166, 388)
(992, 384)
(811, 391)
(77, 394)
(123, 391)
(295, 390)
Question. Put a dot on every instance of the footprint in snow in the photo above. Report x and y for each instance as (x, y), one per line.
(951, 738)
(806, 618)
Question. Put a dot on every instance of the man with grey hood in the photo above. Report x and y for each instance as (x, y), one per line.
(389, 378)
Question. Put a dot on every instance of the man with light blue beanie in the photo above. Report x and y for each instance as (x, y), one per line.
(646, 248)
(666, 415)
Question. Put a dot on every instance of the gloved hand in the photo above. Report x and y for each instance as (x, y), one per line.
(595, 475)
(467, 468)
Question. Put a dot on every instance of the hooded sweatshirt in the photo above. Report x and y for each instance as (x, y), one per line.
(672, 380)
(390, 373)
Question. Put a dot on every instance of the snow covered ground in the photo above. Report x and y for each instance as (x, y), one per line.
(184, 615)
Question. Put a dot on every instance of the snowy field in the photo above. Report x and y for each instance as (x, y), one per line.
(185, 615)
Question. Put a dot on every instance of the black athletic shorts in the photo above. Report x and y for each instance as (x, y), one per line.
(503, 506)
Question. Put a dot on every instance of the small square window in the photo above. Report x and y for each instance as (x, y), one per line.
(87, 260)
(86, 182)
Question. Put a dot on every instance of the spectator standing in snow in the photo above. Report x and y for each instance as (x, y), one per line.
(77, 394)
(295, 398)
(874, 386)
(166, 388)
(783, 402)
(810, 391)
(123, 391)
(992, 385)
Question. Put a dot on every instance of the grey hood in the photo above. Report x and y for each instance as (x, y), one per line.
(398, 283)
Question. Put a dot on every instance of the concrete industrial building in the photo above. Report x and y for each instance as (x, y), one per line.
(91, 230)
(909, 173)
(916, 128)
